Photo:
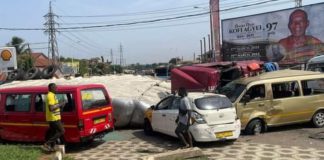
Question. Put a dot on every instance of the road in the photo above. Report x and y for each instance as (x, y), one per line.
(289, 142)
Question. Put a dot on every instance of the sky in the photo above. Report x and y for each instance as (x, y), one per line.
(144, 43)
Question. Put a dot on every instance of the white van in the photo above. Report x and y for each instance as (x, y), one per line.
(213, 116)
(316, 64)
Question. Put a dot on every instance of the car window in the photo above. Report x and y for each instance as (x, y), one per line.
(213, 102)
(40, 102)
(93, 98)
(313, 86)
(285, 89)
(165, 103)
(232, 90)
(175, 104)
(18, 102)
(256, 92)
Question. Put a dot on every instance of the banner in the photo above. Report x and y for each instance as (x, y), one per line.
(289, 36)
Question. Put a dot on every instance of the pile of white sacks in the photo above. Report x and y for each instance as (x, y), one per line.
(131, 94)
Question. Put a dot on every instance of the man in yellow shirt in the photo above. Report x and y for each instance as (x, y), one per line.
(53, 117)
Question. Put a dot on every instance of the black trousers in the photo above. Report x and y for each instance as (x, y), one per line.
(54, 132)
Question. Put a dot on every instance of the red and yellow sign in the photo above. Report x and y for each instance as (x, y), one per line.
(6, 55)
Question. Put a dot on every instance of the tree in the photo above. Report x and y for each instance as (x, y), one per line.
(24, 60)
(19, 44)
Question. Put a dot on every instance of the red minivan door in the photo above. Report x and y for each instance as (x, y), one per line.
(68, 115)
(16, 117)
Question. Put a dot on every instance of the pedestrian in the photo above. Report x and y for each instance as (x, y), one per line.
(53, 117)
(183, 119)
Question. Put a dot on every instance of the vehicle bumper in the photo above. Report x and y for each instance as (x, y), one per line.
(207, 133)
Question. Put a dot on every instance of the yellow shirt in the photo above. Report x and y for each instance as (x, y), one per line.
(51, 100)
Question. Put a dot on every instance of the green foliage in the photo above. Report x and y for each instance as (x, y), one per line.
(18, 43)
(83, 67)
(14, 152)
(25, 62)
(116, 68)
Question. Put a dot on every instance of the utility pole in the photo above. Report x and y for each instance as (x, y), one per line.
(209, 49)
(205, 57)
(121, 55)
(112, 60)
(215, 25)
(298, 3)
(201, 52)
(111, 56)
(51, 30)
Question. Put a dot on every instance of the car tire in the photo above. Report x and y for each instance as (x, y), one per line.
(318, 119)
(148, 130)
(255, 127)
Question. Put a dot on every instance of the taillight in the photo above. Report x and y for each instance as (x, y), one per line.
(81, 125)
(198, 118)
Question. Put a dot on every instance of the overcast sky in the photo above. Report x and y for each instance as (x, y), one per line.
(142, 43)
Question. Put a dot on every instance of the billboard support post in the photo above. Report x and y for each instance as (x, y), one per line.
(215, 23)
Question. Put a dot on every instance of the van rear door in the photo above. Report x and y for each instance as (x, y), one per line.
(96, 111)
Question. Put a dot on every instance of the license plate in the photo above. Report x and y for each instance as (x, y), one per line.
(224, 134)
(99, 120)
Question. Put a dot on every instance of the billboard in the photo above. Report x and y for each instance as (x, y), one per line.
(8, 59)
(288, 36)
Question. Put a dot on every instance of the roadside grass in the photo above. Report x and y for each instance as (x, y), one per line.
(16, 152)
(24, 152)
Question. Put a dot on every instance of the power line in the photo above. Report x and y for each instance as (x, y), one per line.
(138, 28)
(131, 13)
(147, 21)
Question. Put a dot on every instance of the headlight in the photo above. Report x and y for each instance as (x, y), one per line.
(198, 118)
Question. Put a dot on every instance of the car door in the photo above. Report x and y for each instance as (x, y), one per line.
(17, 120)
(159, 114)
(256, 105)
(288, 104)
(171, 114)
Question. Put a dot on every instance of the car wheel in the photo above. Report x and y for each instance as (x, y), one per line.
(318, 119)
(254, 127)
(148, 130)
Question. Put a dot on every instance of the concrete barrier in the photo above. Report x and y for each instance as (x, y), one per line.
(177, 154)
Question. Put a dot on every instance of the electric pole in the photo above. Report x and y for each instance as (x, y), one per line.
(51, 30)
(121, 55)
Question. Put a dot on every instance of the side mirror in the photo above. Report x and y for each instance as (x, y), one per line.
(152, 107)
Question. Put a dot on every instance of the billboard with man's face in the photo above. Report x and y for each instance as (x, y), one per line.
(287, 36)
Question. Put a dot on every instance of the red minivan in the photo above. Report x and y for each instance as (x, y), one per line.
(87, 115)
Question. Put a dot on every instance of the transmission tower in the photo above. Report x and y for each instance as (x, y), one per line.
(298, 3)
(51, 30)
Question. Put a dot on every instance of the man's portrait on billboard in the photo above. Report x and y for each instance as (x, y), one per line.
(298, 46)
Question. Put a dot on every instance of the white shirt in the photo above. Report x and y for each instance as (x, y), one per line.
(185, 104)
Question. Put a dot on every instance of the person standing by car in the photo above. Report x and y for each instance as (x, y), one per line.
(53, 117)
(183, 119)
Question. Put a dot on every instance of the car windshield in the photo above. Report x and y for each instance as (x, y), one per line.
(232, 90)
(213, 102)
